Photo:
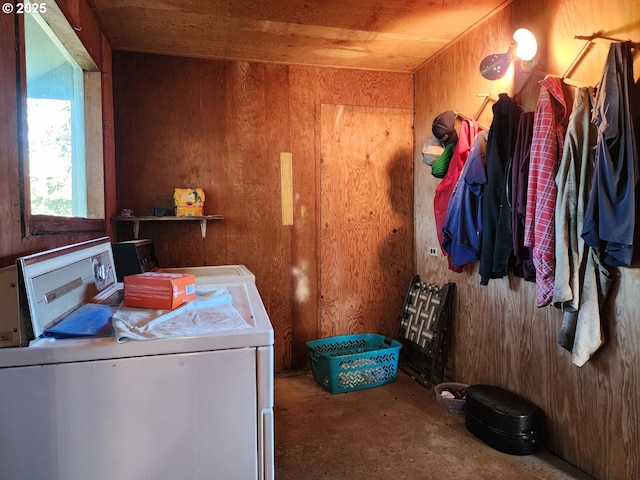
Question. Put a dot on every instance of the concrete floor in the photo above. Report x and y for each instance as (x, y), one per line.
(395, 431)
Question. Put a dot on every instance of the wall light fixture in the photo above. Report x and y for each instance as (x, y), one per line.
(523, 46)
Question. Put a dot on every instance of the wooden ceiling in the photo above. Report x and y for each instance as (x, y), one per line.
(391, 35)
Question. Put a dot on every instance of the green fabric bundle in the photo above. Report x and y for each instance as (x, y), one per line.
(441, 165)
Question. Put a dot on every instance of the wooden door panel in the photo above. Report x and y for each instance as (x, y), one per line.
(366, 217)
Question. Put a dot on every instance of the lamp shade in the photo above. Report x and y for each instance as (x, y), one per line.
(524, 46)
(494, 67)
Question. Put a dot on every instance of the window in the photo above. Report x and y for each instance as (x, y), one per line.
(62, 171)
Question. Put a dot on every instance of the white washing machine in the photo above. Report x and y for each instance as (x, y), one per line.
(198, 407)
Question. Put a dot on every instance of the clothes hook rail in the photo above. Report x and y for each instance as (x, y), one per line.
(462, 116)
(600, 35)
(578, 57)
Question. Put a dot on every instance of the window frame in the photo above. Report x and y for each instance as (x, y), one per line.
(35, 225)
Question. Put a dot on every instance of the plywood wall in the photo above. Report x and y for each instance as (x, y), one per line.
(311, 88)
(221, 126)
(365, 212)
(500, 336)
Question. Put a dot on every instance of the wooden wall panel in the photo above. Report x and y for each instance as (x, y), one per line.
(357, 87)
(9, 193)
(499, 336)
(258, 133)
(109, 148)
(304, 90)
(365, 218)
(311, 88)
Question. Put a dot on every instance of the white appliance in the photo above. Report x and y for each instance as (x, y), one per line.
(93, 409)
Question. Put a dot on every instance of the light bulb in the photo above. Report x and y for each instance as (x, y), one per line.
(527, 45)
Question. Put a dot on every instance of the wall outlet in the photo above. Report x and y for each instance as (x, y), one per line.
(433, 251)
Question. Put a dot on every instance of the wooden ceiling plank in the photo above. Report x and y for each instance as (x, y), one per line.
(369, 34)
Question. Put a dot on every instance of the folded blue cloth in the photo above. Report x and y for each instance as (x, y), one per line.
(90, 320)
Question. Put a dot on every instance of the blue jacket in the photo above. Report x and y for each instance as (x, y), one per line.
(463, 224)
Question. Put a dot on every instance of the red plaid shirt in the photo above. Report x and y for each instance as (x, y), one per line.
(546, 149)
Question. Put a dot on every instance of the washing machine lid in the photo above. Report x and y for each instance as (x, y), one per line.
(221, 273)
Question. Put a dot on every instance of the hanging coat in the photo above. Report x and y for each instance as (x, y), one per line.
(463, 223)
(523, 263)
(546, 150)
(497, 240)
(609, 222)
(573, 180)
(581, 281)
(468, 130)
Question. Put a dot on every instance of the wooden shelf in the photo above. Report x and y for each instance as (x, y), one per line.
(136, 221)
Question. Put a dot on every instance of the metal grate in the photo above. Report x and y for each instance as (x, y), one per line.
(424, 328)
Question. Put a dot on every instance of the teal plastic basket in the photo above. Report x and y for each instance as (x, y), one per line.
(353, 362)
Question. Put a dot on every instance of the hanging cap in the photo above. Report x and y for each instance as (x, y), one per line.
(431, 150)
(444, 128)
